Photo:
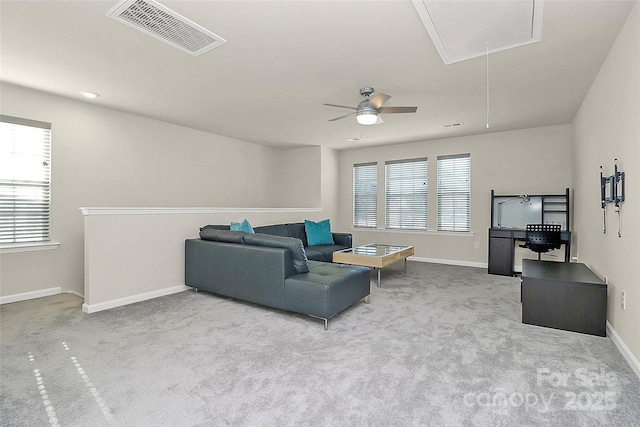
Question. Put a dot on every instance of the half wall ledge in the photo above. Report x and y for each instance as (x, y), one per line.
(132, 254)
(187, 210)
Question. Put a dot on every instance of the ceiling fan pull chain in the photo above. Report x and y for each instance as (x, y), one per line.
(487, 58)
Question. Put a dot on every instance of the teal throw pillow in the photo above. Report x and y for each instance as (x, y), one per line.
(318, 233)
(242, 226)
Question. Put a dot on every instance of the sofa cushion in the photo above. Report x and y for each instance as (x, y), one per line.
(314, 255)
(216, 227)
(318, 233)
(242, 226)
(293, 245)
(226, 236)
(326, 289)
(274, 230)
(344, 239)
(323, 252)
(297, 230)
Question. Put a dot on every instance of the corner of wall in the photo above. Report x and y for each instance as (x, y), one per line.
(606, 128)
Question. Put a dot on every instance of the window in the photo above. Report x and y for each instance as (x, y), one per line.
(454, 191)
(25, 166)
(365, 195)
(406, 194)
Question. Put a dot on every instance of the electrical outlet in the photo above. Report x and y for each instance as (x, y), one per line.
(476, 245)
(623, 300)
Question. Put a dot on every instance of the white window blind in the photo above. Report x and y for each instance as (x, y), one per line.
(406, 194)
(365, 195)
(25, 170)
(454, 192)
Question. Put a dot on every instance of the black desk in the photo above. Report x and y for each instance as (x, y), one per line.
(565, 296)
(502, 243)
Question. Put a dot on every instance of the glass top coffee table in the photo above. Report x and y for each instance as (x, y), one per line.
(376, 256)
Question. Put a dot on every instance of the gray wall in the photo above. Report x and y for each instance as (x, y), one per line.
(529, 161)
(606, 127)
(298, 178)
(102, 157)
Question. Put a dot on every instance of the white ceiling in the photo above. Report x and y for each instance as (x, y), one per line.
(284, 59)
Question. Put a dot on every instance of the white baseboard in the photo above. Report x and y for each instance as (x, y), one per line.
(74, 293)
(30, 295)
(449, 262)
(624, 350)
(93, 308)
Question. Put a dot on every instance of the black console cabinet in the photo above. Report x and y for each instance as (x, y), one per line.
(501, 252)
(563, 295)
(502, 242)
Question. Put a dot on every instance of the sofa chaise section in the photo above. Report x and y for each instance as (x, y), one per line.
(326, 289)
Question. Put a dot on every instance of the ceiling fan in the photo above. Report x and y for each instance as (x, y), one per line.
(368, 110)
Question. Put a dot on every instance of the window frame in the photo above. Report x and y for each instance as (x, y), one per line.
(454, 193)
(369, 211)
(400, 191)
(25, 200)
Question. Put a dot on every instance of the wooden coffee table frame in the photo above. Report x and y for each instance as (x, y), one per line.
(377, 262)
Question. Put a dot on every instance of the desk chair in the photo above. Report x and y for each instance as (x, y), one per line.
(542, 238)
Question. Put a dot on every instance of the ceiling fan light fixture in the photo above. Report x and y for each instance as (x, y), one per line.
(367, 118)
(368, 110)
(90, 95)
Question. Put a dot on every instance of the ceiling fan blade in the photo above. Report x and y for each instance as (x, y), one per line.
(342, 117)
(378, 100)
(340, 106)
(379, 120)
(388, 110)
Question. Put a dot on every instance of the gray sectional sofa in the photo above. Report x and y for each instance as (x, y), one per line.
(274, 270)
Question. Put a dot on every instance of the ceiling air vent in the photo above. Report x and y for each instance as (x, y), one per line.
(452, 125)
(165, 25)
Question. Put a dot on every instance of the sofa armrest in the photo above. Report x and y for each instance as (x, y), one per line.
(345, 239)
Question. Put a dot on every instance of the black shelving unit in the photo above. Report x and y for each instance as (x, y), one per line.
(555, 210)
(510, 215)
(538, 208)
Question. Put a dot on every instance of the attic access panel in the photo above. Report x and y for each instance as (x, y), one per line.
(463, 30)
